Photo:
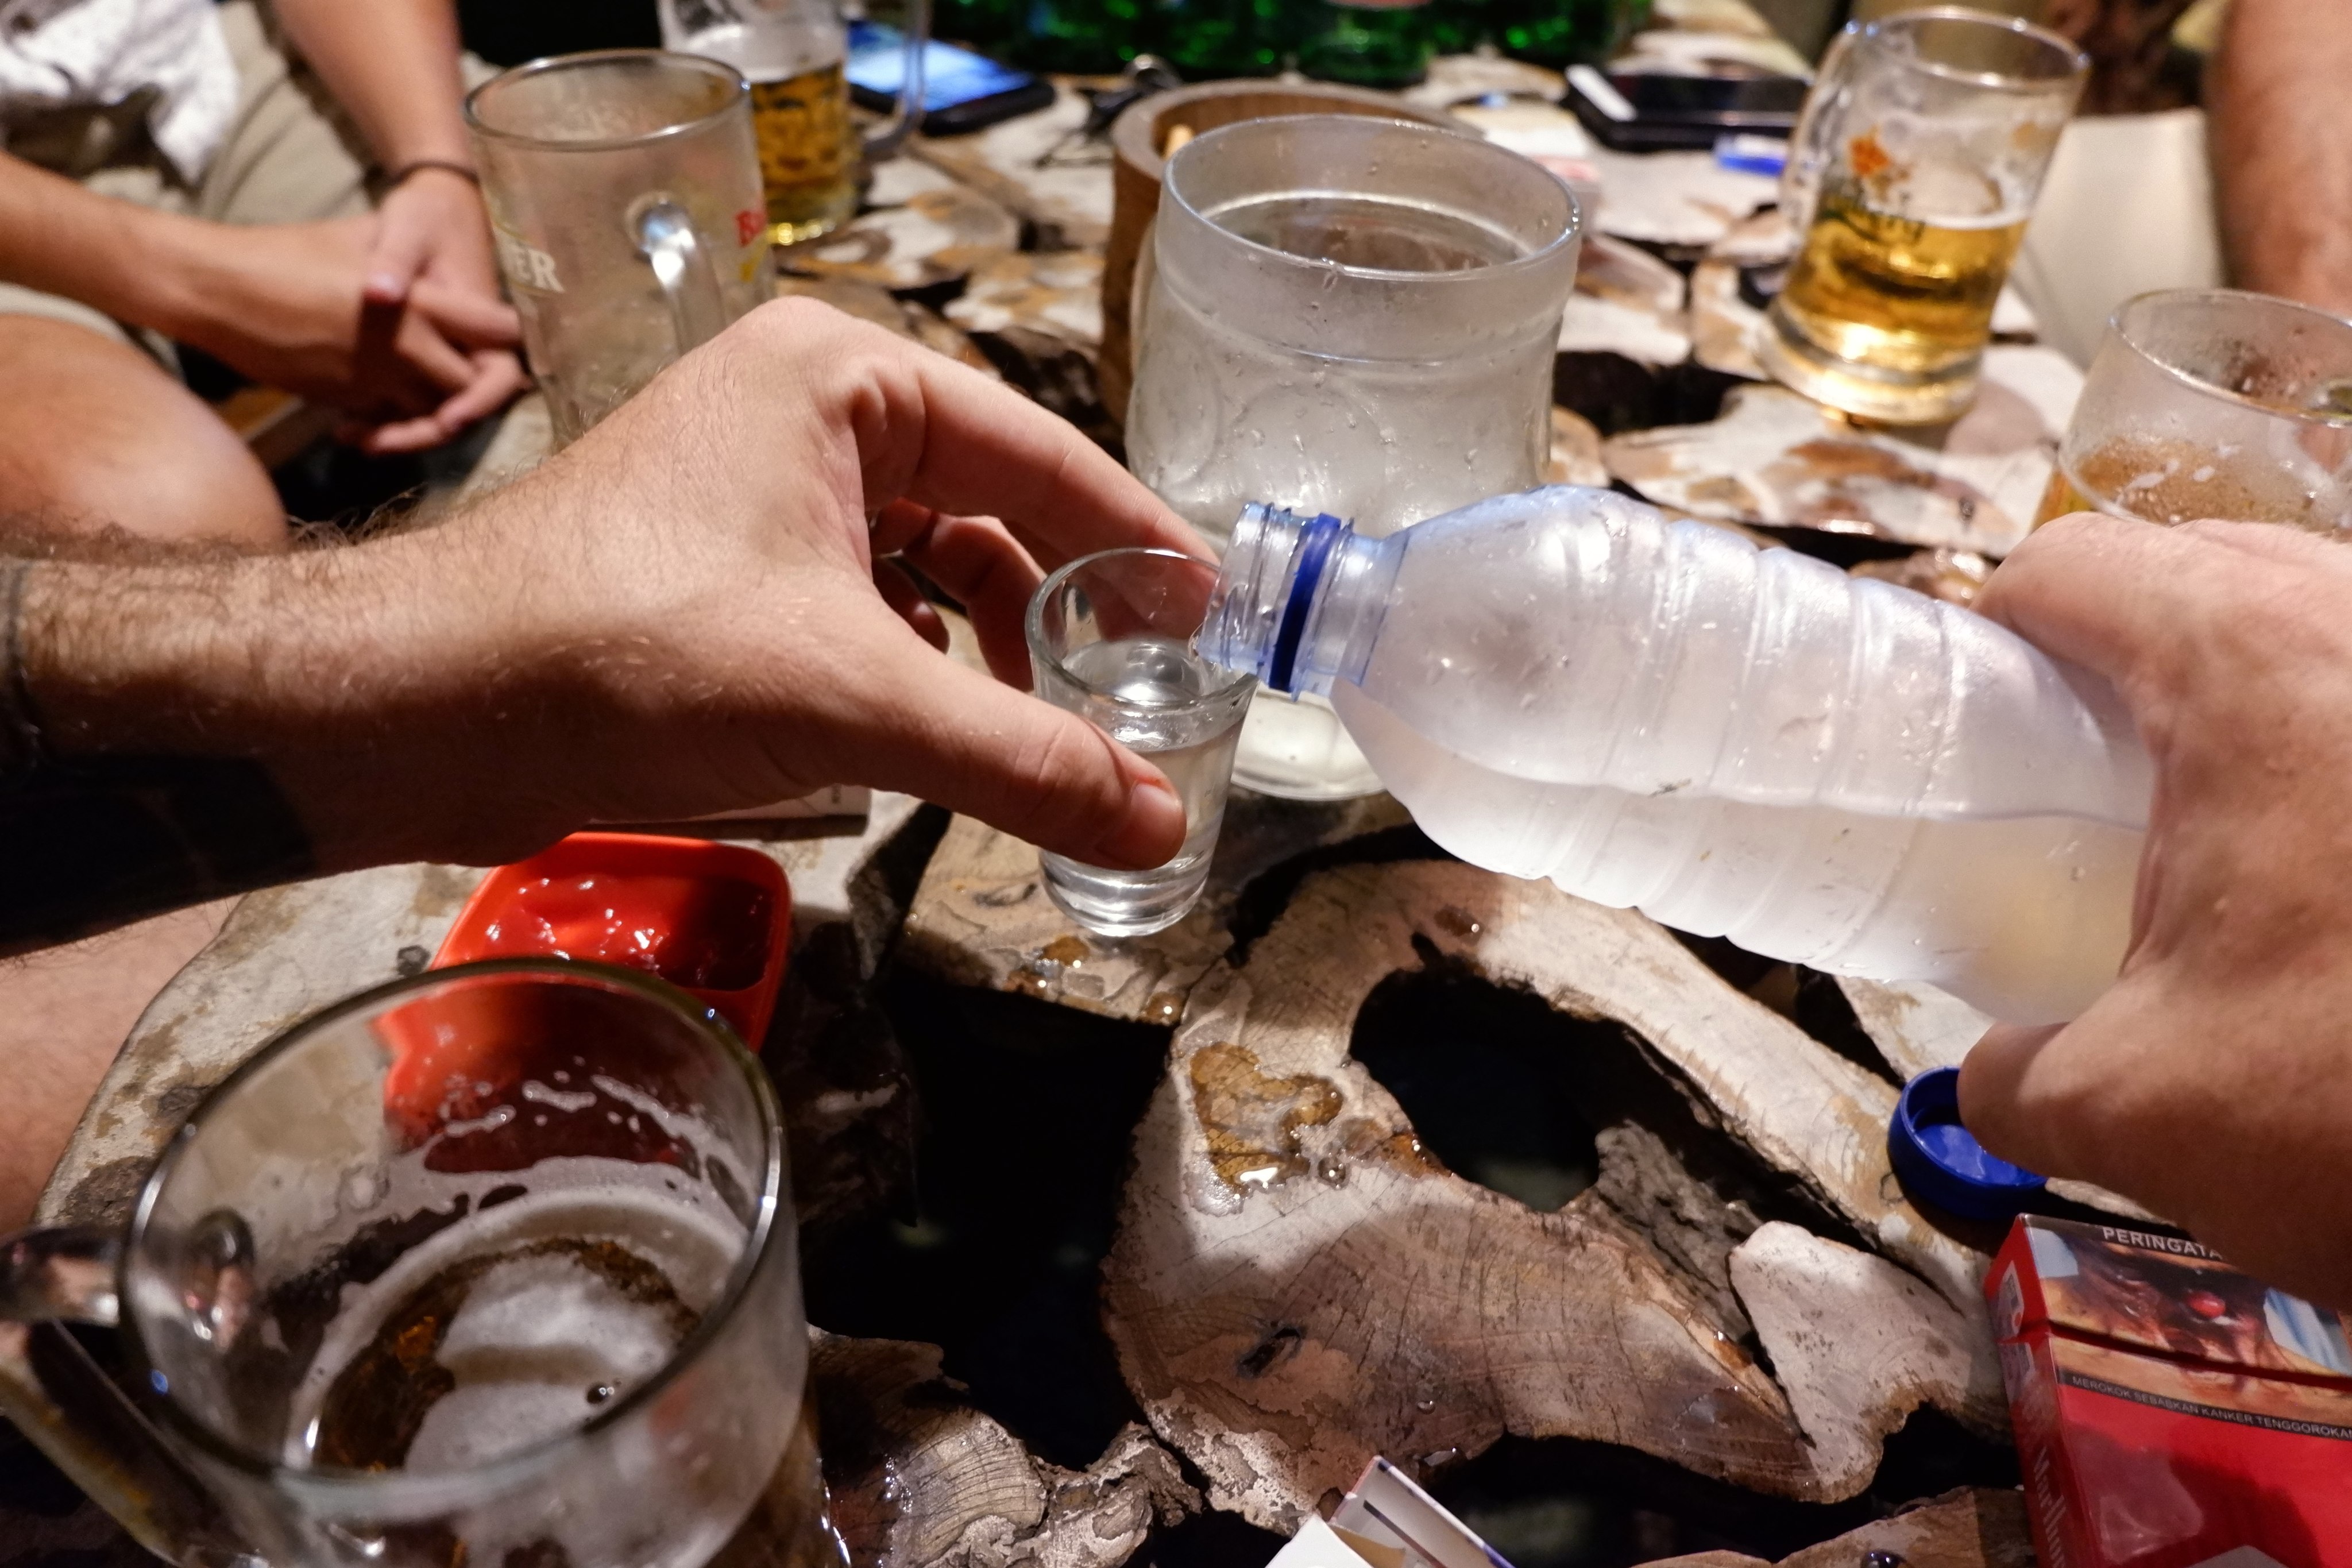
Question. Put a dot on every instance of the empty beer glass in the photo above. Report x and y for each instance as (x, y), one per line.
(623, 193)
(1909, 181)
(794, 54)
(1353, 313)
(1111, 639)
(493, 1265)
(2213, 403)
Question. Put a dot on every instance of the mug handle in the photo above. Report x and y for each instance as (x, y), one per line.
(1813, 143)
(71, 1410)
(907, 112)
(664, 237)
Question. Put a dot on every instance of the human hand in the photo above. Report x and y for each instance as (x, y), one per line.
(679, 614)
(432, 228)
(286, 304)
(2213, 1081)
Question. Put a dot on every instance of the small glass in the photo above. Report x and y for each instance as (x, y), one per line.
(1910, 179)
(1356, 311)
(623, 194)
(2213, 403)
(1111, 639)
(494, 1264)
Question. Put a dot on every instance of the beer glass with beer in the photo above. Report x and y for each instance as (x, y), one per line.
(623, 194)
(795, 53)
(2213, 403)
(1909, 181)
(492, 1265)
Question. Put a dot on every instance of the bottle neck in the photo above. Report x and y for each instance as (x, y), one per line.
(1299, 600)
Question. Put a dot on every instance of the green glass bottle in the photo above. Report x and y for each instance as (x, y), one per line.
(1204, 39)
(1367, 43)
(1567, 32)
(1457, 27)
(1083, 37)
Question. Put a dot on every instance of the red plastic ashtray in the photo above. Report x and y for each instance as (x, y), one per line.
(714, 919)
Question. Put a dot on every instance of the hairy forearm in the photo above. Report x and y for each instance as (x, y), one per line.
(210, 726)
(2281, 165)
(393, 65)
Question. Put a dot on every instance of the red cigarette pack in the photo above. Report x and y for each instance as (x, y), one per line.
(2170, 1412)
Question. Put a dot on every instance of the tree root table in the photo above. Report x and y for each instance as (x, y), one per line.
(1135, 1252)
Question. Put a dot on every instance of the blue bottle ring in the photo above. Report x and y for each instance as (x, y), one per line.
(1940, 1161)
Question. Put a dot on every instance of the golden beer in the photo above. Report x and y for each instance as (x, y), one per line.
(1910, 297)
(1884, 315)
(809, 152)
(2167, 480)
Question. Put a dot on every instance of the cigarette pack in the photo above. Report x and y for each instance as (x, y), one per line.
(2170, 1412)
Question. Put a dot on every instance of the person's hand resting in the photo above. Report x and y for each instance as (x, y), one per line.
(2213, 1082)
(431, 229)
(678, 615)
(393, 317)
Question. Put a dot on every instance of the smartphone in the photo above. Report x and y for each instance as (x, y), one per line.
(961, 91)
(1642, 112)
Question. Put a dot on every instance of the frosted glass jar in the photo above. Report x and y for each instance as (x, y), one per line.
(1354, 312)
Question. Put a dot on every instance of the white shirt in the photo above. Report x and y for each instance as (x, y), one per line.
(62, 53)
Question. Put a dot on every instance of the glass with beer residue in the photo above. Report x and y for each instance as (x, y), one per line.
(492, 1265)
(2213, 403)
(1909, 181)
(623, 194)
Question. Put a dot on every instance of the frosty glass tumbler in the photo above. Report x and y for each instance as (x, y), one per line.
(2213, 403)
(1111, 639)
(623, 193)
(1909, 181)
(492, 1265)
(1354, 312)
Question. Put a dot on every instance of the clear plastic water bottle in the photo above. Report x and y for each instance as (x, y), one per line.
(1739, 742)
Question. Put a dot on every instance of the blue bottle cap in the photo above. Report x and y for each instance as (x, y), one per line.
(1940, 1162)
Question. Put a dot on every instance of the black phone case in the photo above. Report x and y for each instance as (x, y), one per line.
(972, 115)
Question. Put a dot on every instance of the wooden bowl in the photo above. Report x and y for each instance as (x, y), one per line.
(1139, 139)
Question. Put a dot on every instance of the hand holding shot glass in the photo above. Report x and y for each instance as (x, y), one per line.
(1110, 640)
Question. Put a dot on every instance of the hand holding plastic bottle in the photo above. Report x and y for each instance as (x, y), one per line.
(2213, 1081)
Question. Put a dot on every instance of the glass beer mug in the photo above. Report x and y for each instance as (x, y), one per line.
(491, 1265)
(623, 194)
(1909, 181)
(1355, 312)
(794, 54)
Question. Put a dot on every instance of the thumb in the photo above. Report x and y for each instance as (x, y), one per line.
(394, 260)
(2002, 1100)
(954, 736)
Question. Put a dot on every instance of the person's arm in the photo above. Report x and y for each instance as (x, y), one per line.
(2282, 166)
(678, 615)
(393, 65)
(2213, 1081)
(283, 303)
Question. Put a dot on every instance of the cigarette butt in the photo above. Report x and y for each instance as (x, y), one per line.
(1176, 136)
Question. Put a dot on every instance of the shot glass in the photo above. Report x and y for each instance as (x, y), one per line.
(1111, 639)
(2213, 403)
